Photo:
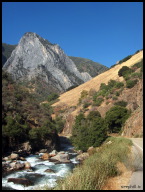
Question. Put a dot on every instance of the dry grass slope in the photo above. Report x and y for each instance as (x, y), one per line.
(71, 97)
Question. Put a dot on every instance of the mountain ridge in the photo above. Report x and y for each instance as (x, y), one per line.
(84, 64)
(36, 57)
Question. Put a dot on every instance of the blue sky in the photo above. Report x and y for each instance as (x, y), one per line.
(104, 32)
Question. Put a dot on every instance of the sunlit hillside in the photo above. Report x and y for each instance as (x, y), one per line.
(71, 97)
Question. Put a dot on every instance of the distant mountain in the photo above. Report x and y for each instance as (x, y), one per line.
(36, 59)
(6, 51)
(89, 66)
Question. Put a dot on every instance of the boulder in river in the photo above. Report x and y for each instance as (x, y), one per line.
(22, 158)
(22, 181)
(53, 153)
(49, 171)
(27, 165)
(45, 156)
(17, 165)
(6, 158)
(14, 156)
(63, 158)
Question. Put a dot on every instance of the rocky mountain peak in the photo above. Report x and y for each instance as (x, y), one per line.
(37, 57)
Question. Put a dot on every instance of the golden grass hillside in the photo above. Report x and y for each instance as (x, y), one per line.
(71, 97)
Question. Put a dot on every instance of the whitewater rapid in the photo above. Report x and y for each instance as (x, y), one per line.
(37, 173)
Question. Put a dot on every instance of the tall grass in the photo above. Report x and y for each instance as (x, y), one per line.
(95, 170)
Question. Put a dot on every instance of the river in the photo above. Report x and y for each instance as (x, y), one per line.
(38, 175)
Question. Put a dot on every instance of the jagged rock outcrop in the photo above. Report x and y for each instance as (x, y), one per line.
(35, 57)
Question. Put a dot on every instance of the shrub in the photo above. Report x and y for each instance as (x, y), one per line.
(84, 94)
(114, 98)
(52, 97)
(121, 103)
(139, 64)
(93, 114)
(131, 83)
(112, 83)
(107, 103)
(127, 76)
(125, 59)
(137, 51)
(136, 75)
(98, 101)
(119, 85)
(103, 86)
(117, 93)
(86, 104)
(115, 118)
(92, 92)
(124, 70)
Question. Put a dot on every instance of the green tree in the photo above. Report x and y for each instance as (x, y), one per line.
(124, 71)
(115, 118)
(16, 130)
(93, 115)
(97, 132)
(59, 124)
(89, 131)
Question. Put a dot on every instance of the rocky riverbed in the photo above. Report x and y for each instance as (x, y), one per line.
(35, 170)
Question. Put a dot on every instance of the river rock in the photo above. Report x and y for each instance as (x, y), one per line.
(79, 152)
(12, 165)
(19, 165)
(22, 181)
(27, 165)
(45, 156)
(5, 159)
(91, 150)
(43, 151)
(54, 161)
(49, 171)
(82, 156)
(64, 158)
(53, 153)
(26, 146)
(14, 156)
(22, 158)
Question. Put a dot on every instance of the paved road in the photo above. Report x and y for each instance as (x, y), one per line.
(138, 142)
(136, 182)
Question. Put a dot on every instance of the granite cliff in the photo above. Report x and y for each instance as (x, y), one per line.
(35, 57)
